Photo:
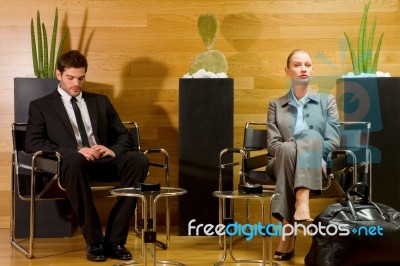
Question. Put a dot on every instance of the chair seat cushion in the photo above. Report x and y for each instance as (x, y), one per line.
(259, 177)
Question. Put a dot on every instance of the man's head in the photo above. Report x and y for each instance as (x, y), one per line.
(71, 71)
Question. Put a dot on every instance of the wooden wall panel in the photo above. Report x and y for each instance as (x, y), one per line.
(138, 50)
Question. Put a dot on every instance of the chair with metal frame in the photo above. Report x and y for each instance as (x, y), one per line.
(29, 169)
(26, 172)
(255, 184)
(157, 162)
(353, 158)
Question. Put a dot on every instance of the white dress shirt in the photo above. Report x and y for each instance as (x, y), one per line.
(66, 99)
(301, 123)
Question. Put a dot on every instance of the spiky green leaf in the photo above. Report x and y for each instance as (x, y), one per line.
(369, 48)
(354, 60)
(45, 53)
(60, 49)
(378, 49)
(43, 59)
(40, 44)
(362, 39)
(53, 45)
(34, 52)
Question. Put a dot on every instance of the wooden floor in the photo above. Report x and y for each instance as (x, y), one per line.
(189, 250)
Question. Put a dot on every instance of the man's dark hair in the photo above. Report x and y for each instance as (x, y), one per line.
(73, 59)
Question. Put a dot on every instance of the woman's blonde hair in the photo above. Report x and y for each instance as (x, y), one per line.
(294, 52)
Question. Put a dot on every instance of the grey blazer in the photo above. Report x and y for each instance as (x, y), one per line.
(320, 113)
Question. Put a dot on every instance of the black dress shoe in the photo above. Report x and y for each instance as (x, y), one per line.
(95, 252)
(117, 251)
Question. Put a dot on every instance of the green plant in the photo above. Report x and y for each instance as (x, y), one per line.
(362, 62)
(210, 60)
(44, 60)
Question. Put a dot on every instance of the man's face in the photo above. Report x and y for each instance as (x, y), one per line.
(300, 67)
(72, 80)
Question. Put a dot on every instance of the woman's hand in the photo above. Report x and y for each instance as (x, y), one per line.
(324, 172)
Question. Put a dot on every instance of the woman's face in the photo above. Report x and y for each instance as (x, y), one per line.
(300, 66)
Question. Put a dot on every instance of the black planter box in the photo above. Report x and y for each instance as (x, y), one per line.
(205, 128)
(377, 100)
(54, 218)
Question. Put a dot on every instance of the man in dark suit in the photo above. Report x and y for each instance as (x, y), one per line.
(88, 133)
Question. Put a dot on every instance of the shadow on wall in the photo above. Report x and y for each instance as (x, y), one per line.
(242, 31)
(142, 98)
(83, 45)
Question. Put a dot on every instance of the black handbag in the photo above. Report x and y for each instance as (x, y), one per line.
(356, 232)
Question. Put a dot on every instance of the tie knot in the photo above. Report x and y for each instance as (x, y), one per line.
(73, 100)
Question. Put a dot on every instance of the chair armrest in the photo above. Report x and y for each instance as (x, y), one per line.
(340, 152)
(159, 151)
(256, 162)
(231, 150)
(46, 162)
(156, 150)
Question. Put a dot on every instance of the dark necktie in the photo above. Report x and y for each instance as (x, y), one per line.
(82, 130)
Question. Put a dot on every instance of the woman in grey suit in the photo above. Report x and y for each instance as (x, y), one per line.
(303, 127)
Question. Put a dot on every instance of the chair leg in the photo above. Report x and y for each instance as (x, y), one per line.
(138, 231)
(270, 237)
(165, 165)
(167, 210)
(27, 252)
(32, 224)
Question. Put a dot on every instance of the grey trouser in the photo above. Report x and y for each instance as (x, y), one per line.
(297, 163)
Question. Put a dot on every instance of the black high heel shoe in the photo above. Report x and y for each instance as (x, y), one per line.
(285, 255)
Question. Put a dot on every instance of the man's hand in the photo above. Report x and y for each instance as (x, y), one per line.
(103, 151)
(96, 152)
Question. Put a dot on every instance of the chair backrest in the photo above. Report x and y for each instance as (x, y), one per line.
(28, 166)
(18, 139)
(354, 136)
(255, 148)
(18, 136)
(255, 136)
(134, 131)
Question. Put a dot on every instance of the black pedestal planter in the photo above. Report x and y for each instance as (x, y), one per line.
(54, 218)
(205, 128)
(377, 100)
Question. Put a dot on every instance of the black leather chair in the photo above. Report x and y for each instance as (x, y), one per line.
(345, 166)
(251, 159)
(351, 163)
(36, 177)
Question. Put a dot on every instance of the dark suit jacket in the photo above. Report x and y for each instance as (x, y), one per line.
(49, 127)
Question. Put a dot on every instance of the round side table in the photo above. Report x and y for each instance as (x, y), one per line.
(149, 207)
(236, 195)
